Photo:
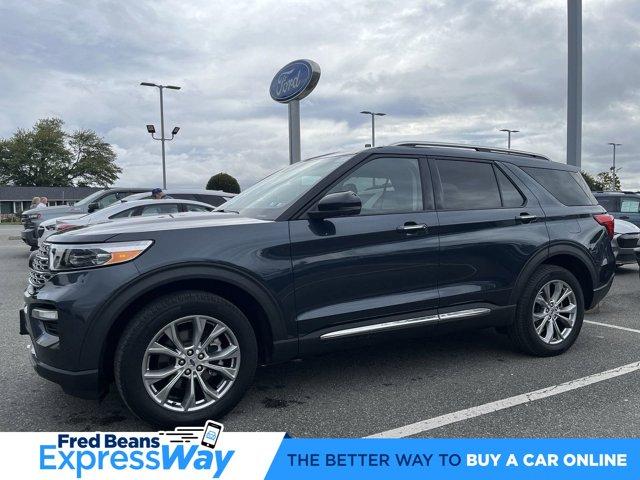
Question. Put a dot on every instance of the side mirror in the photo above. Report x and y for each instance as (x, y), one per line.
(340, 204)
(93, 207)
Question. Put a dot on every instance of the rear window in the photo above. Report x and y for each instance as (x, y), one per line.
(568, 187)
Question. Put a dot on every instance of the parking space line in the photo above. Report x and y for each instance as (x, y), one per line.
(618, 327)
(460, 415)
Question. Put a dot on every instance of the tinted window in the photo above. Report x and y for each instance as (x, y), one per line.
(568, 187)
(629, 205)
(385, 185)
(215, 200)
(190, 207)
(125, 213)
(184, 196)
(609, 203)
(159, 209)
(511, 196)
(468, 185)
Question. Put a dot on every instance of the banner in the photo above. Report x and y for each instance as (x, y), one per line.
(208, 452)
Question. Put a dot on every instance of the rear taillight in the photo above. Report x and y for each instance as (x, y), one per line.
(607, 221)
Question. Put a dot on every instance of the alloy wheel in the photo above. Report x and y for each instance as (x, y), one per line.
(554, 311)
(191, 363)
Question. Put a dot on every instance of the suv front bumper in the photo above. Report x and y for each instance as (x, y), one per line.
(84, 384)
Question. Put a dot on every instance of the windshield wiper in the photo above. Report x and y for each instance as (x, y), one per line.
(227, 211)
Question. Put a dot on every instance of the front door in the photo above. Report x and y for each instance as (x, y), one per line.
(362, 269)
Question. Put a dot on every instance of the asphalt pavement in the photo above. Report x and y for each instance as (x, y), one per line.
(471, 384)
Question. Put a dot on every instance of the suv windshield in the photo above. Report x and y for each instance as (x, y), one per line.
(90, 198)
(270, 197)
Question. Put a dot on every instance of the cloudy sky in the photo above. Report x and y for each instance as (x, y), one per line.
(442, 70)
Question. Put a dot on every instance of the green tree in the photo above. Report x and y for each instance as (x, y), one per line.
(225, 182)
(593, 182)
(606, 178)
(47, 156)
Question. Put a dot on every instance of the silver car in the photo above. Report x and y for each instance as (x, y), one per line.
(124, 210)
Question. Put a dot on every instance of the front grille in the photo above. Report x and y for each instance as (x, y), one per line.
(628, 240)
(39, 272)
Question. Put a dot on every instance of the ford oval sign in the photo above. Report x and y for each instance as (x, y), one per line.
(294, 81)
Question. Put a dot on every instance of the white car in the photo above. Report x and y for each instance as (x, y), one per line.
(123, 211)
(625, 242)
(212, 197)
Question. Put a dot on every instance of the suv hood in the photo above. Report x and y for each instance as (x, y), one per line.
(104, 231)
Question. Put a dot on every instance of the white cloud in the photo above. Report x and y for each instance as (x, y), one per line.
(449, 71)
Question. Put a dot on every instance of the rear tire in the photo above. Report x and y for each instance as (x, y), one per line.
(543, 326)
(167, 339)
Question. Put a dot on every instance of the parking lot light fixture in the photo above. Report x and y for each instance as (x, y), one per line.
(613, 167)
(162, 138)
(373, 124)
(509, 132)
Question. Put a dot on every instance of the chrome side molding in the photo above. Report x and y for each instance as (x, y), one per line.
(444, 317)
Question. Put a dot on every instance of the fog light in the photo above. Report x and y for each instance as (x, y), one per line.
(42, 314)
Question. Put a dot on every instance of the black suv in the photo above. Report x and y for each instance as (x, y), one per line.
(331, 251)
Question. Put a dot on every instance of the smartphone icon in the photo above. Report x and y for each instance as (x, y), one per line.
(212, 431)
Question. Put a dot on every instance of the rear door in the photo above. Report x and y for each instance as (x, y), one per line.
(361, 270)
(490, 224)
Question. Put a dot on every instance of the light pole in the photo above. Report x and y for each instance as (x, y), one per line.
(509, 132)
(373, 124)
(613, 168)
(151, 129)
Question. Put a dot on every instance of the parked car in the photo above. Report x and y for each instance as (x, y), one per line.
(329, 252)
(48, 227)
(125, 210)
(31, 219)
(212, 197)
(625, 242)
(622, 205)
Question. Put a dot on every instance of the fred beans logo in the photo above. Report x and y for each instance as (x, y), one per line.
(189, 449)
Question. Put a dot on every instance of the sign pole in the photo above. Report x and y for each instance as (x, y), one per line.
(294, 131)
(574, 83)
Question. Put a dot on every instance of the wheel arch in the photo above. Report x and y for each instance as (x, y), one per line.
(566, 255)
(246, 293)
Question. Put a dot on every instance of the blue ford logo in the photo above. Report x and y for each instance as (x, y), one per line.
(295, 81)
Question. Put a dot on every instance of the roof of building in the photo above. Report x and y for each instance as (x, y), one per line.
(14, 193)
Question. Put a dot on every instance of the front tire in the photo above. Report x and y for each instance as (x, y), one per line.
(549, 314)
(185, 358)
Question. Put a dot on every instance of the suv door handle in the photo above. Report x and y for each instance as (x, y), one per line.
(526, 218)
(411, 227)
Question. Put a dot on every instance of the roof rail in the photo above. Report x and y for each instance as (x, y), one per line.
(477, 148)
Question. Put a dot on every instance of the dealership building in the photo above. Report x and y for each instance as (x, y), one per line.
(15, 199)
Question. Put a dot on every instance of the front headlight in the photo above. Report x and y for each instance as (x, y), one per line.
(64, 257)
